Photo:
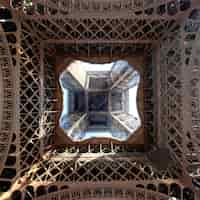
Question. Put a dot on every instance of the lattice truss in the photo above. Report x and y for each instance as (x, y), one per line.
(166, 32)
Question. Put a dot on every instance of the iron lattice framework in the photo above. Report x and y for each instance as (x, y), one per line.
(166, 33)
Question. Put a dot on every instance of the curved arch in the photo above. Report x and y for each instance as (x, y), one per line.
(6, 100)
(106, 191)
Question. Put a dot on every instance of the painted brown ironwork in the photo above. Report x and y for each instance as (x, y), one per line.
(166, 33)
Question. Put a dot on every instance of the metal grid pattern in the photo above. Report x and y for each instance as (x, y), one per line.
(31, 130)
(86, 169)
(157, 9)
(191, 127)
(140, 30)
(170, 87)
(29, 98)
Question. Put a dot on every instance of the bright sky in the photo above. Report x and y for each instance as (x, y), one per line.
(133, 102)
(95, 67)
(106, 134)
(91, 134)
(65, 101)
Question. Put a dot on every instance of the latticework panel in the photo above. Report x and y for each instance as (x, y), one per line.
(170, 90)
(134, 8)
(30, 112)
(150, 98)
(101, 169)
(9, 41)
(88, 49)
(174, 86)
(92, 29)
(191, 92)
(180, 110)
(48, 102)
